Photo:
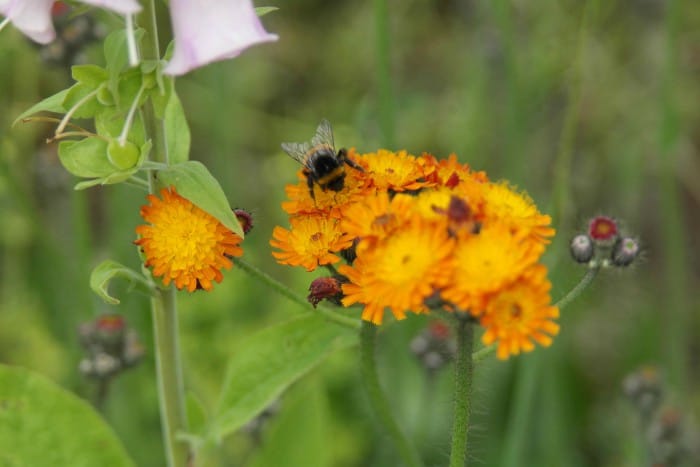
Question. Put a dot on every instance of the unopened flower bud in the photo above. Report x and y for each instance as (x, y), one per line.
(582, 248)
(625, 251)
(603, 230)
(324, 288)
(245, 218)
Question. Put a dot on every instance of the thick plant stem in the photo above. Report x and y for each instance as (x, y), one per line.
(171, 393)
(463, 392)
(169, 374)
(377, 398)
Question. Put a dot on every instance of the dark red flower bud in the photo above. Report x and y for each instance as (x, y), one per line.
(324, 288)
(603, 230)
(245, 218)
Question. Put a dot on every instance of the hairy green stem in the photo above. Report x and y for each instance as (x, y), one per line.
(462, 391)
(285, 291)
(171, 393)
(378, 400)
(169, 373)
(578, 288)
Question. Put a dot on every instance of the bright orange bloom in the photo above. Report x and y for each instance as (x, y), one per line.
(183, 243)
(329, 203)
(396, 171)
(518, 210)
(399, 273)
(311, 242)
(485, 262)
(521, 313)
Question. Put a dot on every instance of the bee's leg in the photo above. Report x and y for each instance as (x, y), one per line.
(310, 184)
(343, 156)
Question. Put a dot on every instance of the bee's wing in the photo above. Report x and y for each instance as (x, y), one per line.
(297, 151)
(324, 134)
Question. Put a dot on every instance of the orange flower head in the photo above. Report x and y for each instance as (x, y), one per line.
(396, 171)
(312, 241)
(521, 313)
(329, 203)
(183, 243)
(518, 210)
(485, 262)
(400, 272)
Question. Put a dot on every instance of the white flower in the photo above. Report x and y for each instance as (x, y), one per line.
(33, 17)
(210, 30)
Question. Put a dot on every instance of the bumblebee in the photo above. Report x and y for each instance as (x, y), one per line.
(322, 164)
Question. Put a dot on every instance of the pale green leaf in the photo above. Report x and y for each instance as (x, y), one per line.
(92, 76)
(194, 182)
(42, 424)
(177, 132)
(268, 362)
(108, 270)
(50, 104)
(263, 10)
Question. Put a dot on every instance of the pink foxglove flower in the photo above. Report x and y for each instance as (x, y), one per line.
(210, 30)
(33, 17)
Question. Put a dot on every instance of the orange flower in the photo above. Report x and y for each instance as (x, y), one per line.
(330, 203)
(518, 210)
(183, 243)
(521, 313)
(485, 262)
(400, 272)
(311, 242)
(396, 171)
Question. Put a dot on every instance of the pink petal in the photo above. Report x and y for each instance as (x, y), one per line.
(210, 30)
(123, 7)
(31, 17)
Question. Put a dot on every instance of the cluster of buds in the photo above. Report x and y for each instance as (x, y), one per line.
(109, 345)
(667, 438)
(603, 245)
(434, 346)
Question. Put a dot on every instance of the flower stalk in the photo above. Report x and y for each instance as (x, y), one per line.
(378, 400)
(463, 371)
(171, 392)
(169, 374)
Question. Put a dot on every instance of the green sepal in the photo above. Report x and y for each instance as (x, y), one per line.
(108, 270)
(86, 158)
(268, 363)
(77, 93)
(263, 10)
(50, 104)
(194, 182)
(42, 424)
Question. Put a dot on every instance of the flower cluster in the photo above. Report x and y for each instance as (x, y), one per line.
(419, 233)
(603, 245)
(183, 243)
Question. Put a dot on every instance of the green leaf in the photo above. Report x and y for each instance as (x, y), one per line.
(108, 270)
(270, 361)
(263, 10)
(82, 99)
(88, 184)
(43, 424)
(117, 57)
(305, 411)
(177, 132)
(50, 104)
(109, 122)
(92, 76)
(85, 158)
(194, 182)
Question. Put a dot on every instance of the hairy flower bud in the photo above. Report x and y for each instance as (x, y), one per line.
(581, 248)
(625, 251)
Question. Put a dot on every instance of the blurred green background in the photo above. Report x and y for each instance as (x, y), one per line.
(591, 106)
